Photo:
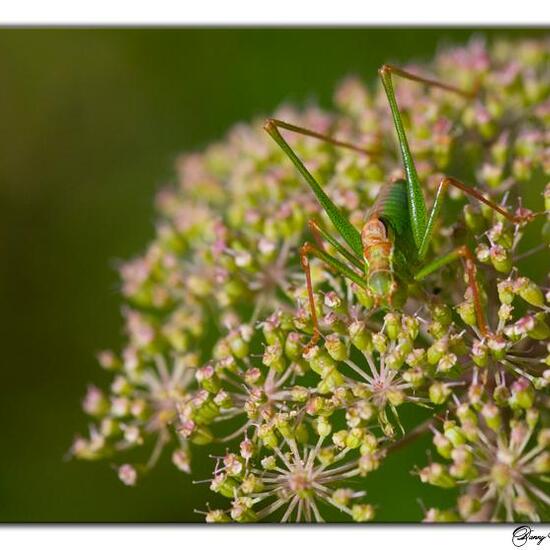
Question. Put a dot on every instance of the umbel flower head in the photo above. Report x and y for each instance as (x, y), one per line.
(294, 479)
(220, 346)
(500, 463)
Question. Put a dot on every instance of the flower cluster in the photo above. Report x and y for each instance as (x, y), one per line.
(500, 461)
(219, 328)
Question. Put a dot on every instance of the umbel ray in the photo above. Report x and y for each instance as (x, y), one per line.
(389, 254)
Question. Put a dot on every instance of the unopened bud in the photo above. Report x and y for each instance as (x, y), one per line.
(500, 258)
(439, 392)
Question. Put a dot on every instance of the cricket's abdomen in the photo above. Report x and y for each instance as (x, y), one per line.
(388, 246)
(378, 254)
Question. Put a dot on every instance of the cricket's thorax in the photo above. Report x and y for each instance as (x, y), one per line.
(378, 254)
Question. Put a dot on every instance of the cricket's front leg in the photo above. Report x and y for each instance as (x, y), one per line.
(348, 232)
(471, 271)
(305, 250)
(336, 265)
(273, 122)
(520, 218)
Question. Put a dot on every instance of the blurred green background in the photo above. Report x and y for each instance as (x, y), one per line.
(91, 121)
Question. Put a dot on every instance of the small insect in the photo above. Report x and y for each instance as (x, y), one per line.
(390, 250)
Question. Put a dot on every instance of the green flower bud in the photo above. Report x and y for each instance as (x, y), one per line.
(501, 235)
(330, 382)
(109, 361)
(362, 512)
(241, 510)
(320, 361)
(224, 485)
(396, 397)
(497, 346)
(342, 496)
(364, 296)
(415, 376)
(467, 313)
(323, 426)
(273, 357)
(540, 330)
(217, 516)
(293, 346)
(339, 438)
(541, 463)
(272, 332)
(395, 360)
(491, 414)
(109, 427)
(234, 465)
(441, 313)
(500, 258)
(529, 291)
(447, 362)
(437, 350)
(453, 433)
(336, 348)
(416, 358)
(202, 436)
(326, 456)
(392, 325)
(506, 291)
(282, 423)
(465, 414)
(354, 438)
(267, 435)
(369, 443)
(95, 403)
(411, 327)
(121, 386)
(368, 463)
(435, 474)
(379, 342)
(207, 378)
(360, 336)
(443, 445)
(475, 395)
(480, 354)
(523, 394)
(439, 393)
(239, 347)
(251, 484)
(299, 394)
(269, 463)
(483, 253)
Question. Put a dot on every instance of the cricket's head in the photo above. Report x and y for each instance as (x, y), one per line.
(378, 254)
